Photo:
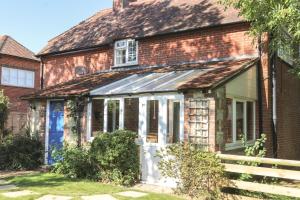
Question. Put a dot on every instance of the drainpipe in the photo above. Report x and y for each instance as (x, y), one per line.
(259, 89)
(274, 103)
(42, 74)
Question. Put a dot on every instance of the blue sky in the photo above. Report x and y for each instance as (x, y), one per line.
(34, 22)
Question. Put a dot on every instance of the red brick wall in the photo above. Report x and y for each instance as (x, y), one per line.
(221, 42)
(14, 93)
(212, 43)
(288, 112)
(62, 68)
(18, 109)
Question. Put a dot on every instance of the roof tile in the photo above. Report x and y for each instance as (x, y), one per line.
(141, 19)
(9, 46)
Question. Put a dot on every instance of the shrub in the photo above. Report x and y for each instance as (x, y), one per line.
(20, 152)
(4, 102)
(116, 155)
(75, 162)
(198, 173)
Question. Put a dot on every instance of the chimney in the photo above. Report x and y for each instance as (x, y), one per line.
(121, 4)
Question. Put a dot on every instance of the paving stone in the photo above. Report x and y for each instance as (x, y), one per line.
(54, 197)
(18, 193)
(7, 187)
(132, 194)
(99, 197)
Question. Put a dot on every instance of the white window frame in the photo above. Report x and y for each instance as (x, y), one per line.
(17, 84)
(127, 63)
(142, 130)
(235, 142)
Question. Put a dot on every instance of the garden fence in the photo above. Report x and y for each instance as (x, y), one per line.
(285, 169)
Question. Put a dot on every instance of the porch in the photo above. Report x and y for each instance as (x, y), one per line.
(209, 104)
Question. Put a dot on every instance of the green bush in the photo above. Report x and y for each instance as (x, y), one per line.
(112, 157)
(20, 152)
(200, 174)
(75, 162)
(116, 155)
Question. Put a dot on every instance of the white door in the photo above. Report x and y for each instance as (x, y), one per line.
(153, 128)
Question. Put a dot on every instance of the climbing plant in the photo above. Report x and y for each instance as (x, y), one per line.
(4, 102)
(75, 109)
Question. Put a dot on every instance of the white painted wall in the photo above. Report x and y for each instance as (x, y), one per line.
(243, 86)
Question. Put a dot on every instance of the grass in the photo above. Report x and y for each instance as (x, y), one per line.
(48, 183)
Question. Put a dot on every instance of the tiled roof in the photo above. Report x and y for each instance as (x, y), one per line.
(140, 19)
(9, 46)
(219, 73)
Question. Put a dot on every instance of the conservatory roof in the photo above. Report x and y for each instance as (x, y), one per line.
(149, 82)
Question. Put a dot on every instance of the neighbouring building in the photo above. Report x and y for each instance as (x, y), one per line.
(20, 75)
(172, 71)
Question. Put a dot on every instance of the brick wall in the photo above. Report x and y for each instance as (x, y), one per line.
(64, 65)
(193, 46)
(18, 108)
(288, 112)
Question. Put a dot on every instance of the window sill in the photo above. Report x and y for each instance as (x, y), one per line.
(16, 86)
(125, 65)
(237, 145)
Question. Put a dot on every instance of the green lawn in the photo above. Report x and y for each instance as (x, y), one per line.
(46, 183)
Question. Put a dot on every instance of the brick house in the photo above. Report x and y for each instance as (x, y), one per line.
(172, 71)
(20, 75)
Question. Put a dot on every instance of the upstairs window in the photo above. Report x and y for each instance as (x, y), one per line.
(17, 77)
(125, 52)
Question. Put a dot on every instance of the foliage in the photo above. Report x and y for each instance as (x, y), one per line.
(258, 149)
(116, 155)
(76, 162)
(198, 173)
(4, 102)
(280, 18)
(75, 109)
(112, 157)
(20, 152)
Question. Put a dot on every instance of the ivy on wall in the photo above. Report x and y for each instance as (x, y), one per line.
(75, 108)
(4, 102)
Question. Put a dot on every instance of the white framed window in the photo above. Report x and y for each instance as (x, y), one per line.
(17, 77)
(126, 52)
(240, 122)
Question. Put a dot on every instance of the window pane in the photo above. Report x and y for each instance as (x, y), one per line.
(152, 121)
(14, 77)
(228, 122)
(250, 121)
(121, 56)
(97, 116)
(5, 76)
(113, 115)
(29, 79)
(173, 122)
(131, 114)
(22, 78)
(121, 44)
(239, 120)
(131, 51)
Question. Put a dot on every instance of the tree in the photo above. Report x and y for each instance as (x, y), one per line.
(4, 101)
(279, 18)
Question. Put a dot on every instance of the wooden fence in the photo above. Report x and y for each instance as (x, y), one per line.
(288, 174)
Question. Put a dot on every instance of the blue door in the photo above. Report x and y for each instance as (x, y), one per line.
(56, 129)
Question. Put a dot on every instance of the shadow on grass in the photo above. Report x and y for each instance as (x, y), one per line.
(39, 180)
